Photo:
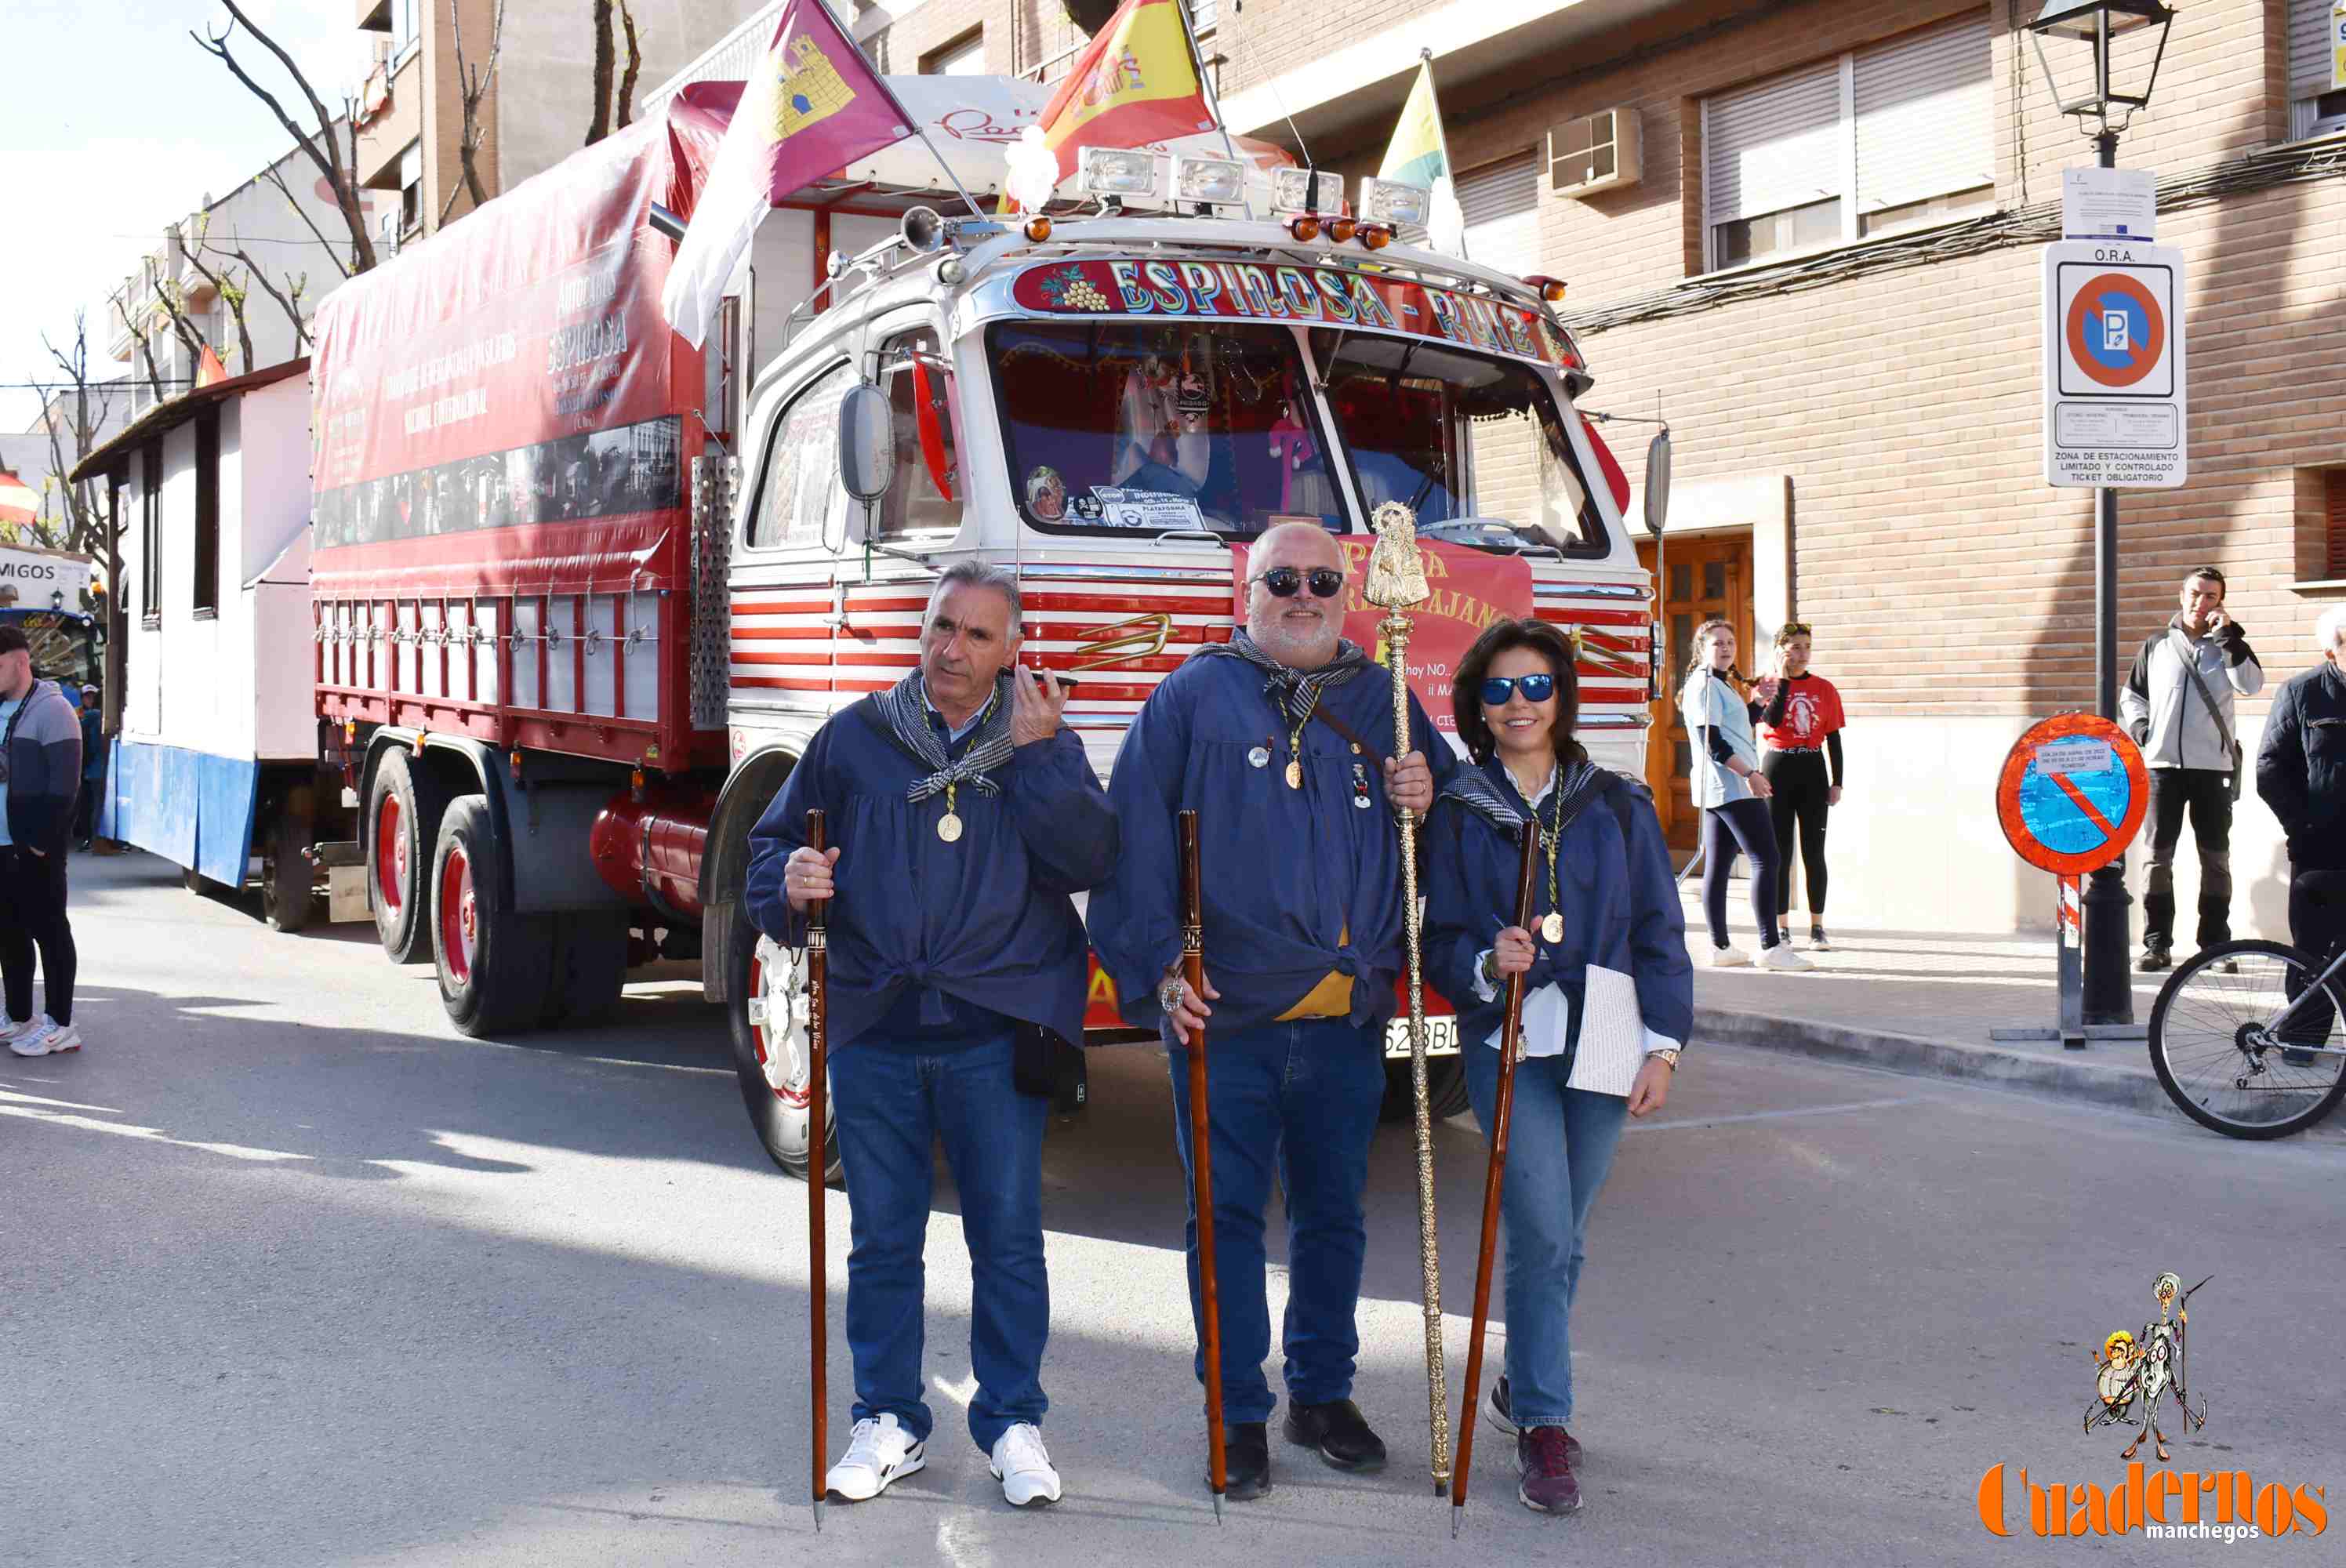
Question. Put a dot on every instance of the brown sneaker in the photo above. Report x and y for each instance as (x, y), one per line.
(1545, 1463)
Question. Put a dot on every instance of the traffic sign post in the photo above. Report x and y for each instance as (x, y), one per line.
(2115, 413)
(2070, 797)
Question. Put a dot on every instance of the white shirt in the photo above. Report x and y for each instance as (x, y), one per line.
(1547, 1012)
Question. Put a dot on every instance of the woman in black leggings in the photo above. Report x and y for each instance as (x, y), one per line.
(1800, 723)
(1728, 784)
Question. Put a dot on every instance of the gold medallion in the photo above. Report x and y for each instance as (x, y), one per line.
(1295, 775)
(949, 828)
(1552, 928)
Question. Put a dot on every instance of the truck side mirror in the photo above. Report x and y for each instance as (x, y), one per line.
(867, 445)
(1658, 484)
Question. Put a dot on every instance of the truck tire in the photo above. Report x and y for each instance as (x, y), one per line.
(494, 965)
(404, 806)
(770, 1053)
(288, 882)
(589, 967)
(1445, 1089)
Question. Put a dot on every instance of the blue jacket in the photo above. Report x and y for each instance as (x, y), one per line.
(1297, 882)
(989, 922)
(1619, 900)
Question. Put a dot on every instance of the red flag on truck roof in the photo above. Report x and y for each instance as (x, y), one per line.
(1137, 84)
(811, 105)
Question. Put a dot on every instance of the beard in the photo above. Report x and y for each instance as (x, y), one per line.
(1301, 643)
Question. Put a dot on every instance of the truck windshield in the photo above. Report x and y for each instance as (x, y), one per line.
(1474, 445)
(63, 647)
(1126, 427)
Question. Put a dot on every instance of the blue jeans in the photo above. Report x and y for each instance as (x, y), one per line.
(889, 1104)
(1298, 1100)
(1560, 1143)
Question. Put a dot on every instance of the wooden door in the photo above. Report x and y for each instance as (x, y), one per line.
(1702, 577)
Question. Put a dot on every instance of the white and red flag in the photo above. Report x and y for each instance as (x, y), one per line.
(810, 107)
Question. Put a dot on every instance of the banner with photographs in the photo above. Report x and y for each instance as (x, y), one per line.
(602, 473)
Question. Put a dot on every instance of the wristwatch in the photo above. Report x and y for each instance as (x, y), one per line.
(1168, 994)
(1665, 1054)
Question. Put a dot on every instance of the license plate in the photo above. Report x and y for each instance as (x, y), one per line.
(1441, 1038)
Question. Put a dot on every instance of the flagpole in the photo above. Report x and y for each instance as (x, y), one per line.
(1214, 102)
(911, 119)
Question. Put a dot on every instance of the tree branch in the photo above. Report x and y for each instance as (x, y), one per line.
(232, 294)
(285, 191)
(291, 303)
(329, 159)
(625, 108)
(601, 126)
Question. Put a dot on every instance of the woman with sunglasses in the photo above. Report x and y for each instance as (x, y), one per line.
(1799, 731)
(1727, 783)
(1608, 996)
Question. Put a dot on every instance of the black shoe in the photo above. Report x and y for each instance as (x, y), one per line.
(1246, 1460)
(2155, 957)
(1339, 1431)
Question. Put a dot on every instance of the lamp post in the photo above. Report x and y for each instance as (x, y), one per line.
(2084, 31)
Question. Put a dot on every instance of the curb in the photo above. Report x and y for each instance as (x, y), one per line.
(2075, 1078)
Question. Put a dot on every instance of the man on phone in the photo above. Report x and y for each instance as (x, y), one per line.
(2178, 703)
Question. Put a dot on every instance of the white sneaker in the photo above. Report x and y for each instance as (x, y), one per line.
(879, 1454)
(1024, 1468)
(1782, 957)
(44, 1037)
(1730, 958)
(11, 1031)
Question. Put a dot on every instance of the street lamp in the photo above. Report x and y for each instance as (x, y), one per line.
(2089, 28)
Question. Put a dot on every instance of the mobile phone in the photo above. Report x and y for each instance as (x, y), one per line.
(1070, 682)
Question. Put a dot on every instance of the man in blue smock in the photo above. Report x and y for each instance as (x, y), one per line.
(1282, 741)
(961, 819)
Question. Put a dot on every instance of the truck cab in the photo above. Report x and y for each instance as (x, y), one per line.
(1114, 406)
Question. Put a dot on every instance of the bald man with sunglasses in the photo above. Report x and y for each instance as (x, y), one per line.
(1282, 741)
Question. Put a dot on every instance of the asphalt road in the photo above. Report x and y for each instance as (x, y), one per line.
(291, 1274)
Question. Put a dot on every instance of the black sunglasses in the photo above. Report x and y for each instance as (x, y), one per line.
(1283, 581)
(1498, 688)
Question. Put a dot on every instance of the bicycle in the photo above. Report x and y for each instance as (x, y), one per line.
(2246, 1038)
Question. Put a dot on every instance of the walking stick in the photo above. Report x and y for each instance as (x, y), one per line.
(1201, 1164)
(1396, 580)
(818, 1163)
(1502, 1112)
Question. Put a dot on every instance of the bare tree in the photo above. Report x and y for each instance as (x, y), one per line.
(288, 297)
(139, 323)
(473, 84)
(600, 126)
(320, 148)
(73, 417)
(609, 115)
(229, 285)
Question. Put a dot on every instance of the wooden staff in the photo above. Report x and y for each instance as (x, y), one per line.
(1494, 1177)
(1201, 1164)
(818, 1164)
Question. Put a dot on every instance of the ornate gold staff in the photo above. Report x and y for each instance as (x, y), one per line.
(1397, 580)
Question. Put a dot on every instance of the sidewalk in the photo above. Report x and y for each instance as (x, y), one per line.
(1917, 1002)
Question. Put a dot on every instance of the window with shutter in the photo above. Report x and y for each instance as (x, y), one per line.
(2334, 485)
(1501, 203)
(1925, 148)
(1865, 143)
(2317, 103)
(964, 57)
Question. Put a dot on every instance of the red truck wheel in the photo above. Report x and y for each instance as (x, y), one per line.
(493, 964)
(404, 805)
(770, 1053)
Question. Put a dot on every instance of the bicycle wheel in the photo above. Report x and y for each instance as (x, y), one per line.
(2217, 1059)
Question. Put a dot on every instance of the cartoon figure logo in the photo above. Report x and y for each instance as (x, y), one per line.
(2138, 1371)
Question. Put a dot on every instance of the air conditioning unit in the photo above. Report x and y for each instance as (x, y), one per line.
(1602, 151)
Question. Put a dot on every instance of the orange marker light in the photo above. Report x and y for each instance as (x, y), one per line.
(1305, 228)
(1375, 236)
(1341, 230)
(1038, 228)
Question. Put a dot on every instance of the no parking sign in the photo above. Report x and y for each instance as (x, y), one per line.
(2072, 794)
(2113, 365)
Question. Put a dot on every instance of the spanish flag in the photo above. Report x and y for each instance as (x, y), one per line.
(1137, 84)
(1419, 155)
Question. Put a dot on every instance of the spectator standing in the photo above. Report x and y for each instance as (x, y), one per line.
(2301, 775)
(93, 772)
(1727, 783)
(40, 773)
(1800, 723)
(2178, 703)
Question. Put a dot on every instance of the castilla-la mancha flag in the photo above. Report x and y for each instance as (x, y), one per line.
(1137, 84)
(810, 107)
